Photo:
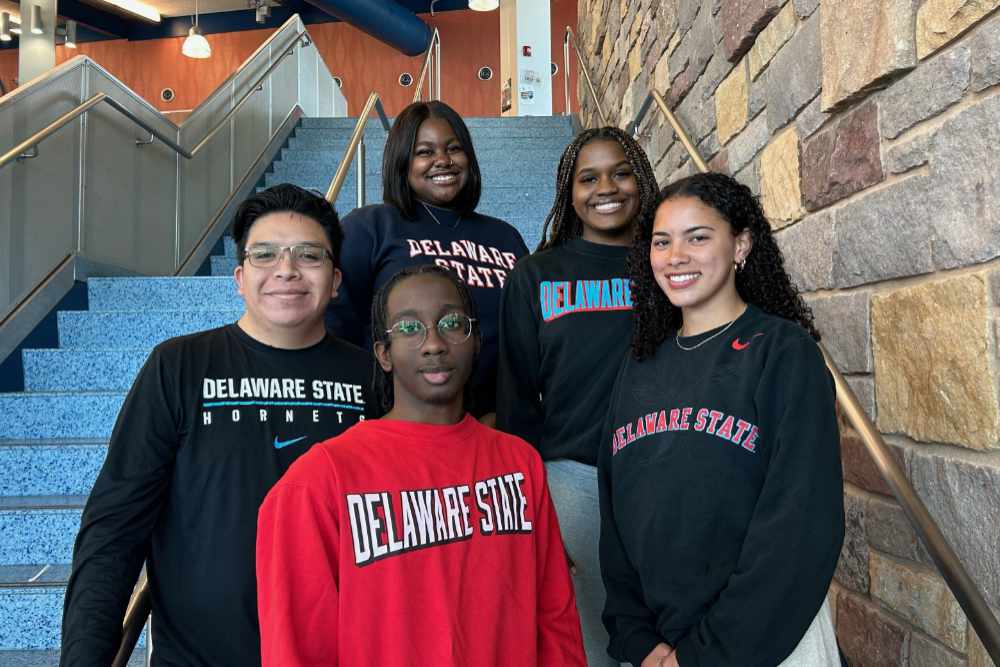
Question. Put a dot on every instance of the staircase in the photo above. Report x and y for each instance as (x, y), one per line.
(53, 435)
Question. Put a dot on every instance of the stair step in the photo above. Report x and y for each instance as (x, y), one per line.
(223, 266)
(169, 293)
(317, 175)
(50, 658)
(511, 125)
(58, 415)
(34, 576)
(39, 529)
(375, 142)
(82, 369)
(50, 468)
(135, 330)
(229, 245)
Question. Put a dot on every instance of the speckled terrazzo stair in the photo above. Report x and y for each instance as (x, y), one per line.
(54, 434)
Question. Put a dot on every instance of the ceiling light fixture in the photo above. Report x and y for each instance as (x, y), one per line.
(5, 27)
(138, 8)
(195, 45)
(483, 5)
(36, 20)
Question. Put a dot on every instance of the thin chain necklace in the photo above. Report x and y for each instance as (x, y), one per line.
(431, 213)
(677, 336)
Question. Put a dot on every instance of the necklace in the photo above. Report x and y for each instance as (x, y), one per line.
(677, 336)
(431, 213)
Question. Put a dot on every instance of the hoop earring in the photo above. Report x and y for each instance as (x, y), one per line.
(740, 265)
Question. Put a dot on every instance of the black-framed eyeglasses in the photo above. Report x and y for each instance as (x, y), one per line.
(453, 328)
(306, 255)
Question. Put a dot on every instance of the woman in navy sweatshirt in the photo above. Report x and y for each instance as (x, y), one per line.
(430, 185)
(720, 478)
(567, 321)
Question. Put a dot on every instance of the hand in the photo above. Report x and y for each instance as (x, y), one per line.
(659, 657)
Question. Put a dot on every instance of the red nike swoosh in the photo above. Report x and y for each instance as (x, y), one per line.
(737, 345)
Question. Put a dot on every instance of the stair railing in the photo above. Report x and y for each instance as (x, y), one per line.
(433, 76)
(968, 595)
(73, 188)
(356, 147)
(20, 151)
(570, 38)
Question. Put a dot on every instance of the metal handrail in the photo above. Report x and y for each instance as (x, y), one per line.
(433, 48)
(301, 39)
(954, 573)
(357, 145)
(139, 606)
(568, 37)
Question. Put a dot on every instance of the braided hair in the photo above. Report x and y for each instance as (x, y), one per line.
(762, 282)
(381, 379)
(562, 223)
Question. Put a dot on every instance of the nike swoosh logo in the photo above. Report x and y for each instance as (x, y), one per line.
(737, 345)
(278, 444)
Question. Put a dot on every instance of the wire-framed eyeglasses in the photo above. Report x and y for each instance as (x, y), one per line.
(306, 255)
(453, 328)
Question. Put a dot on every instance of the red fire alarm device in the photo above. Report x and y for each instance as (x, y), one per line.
(526, 51)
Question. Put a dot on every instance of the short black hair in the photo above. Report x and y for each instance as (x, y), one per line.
(287, 198)
(381, 379)
(399, 148)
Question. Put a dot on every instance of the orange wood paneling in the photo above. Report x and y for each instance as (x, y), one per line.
(8, 68)
(563, 13)
(469, 40)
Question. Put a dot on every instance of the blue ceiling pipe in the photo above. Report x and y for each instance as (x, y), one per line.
(382, 19)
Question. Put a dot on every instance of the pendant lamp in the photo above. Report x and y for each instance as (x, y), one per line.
(195, 45)
(484, 5)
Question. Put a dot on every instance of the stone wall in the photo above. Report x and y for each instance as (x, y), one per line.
(870, 129)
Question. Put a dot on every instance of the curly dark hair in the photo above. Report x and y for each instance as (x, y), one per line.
(562, 223)
(382, 380)
(762, 282)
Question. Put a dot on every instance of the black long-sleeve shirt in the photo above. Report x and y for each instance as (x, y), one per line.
(379, 242)
(566, 324)
(721, 496)
(210, 424)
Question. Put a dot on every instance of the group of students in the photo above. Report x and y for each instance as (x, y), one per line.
(320, 483)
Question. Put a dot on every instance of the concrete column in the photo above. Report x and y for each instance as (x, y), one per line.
(36, 53)
(525, 57)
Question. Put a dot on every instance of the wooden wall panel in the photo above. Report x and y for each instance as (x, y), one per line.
(8, 67)
(563, 13)
(469, 41)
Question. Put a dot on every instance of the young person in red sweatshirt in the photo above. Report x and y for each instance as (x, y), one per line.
(425, 537)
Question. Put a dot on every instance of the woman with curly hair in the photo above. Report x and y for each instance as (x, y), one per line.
(553, 381)
(720, 479)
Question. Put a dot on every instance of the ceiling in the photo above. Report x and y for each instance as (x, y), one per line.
(98, 20)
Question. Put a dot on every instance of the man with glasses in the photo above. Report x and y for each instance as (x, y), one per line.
(211, 423)
(425, 537)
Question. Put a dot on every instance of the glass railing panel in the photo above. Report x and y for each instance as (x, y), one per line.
(134, 231)
(252, 124)
(308, 80)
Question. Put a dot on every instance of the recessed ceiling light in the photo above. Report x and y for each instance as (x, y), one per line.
(136, 7)
(484, 5)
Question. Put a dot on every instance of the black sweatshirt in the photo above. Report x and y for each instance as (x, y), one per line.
(211, 423)
(721, 496)
(566, 323)
(379, 242)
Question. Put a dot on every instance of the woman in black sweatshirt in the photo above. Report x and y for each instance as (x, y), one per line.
(565, 326)
(720, 477)
(431, 185)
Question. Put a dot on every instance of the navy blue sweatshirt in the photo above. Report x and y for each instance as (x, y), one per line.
(567, 322)
(721, 496)
(379, 242)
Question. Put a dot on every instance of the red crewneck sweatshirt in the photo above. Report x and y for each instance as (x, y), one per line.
(402, 543)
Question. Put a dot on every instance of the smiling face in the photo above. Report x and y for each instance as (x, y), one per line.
(692, 253)
(605, 193)
(429, 380)
(439, 167)
(285, 303)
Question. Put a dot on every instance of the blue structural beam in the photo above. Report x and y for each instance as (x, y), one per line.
(386, 21)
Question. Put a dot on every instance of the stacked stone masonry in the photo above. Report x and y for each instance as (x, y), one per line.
(870, 131)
